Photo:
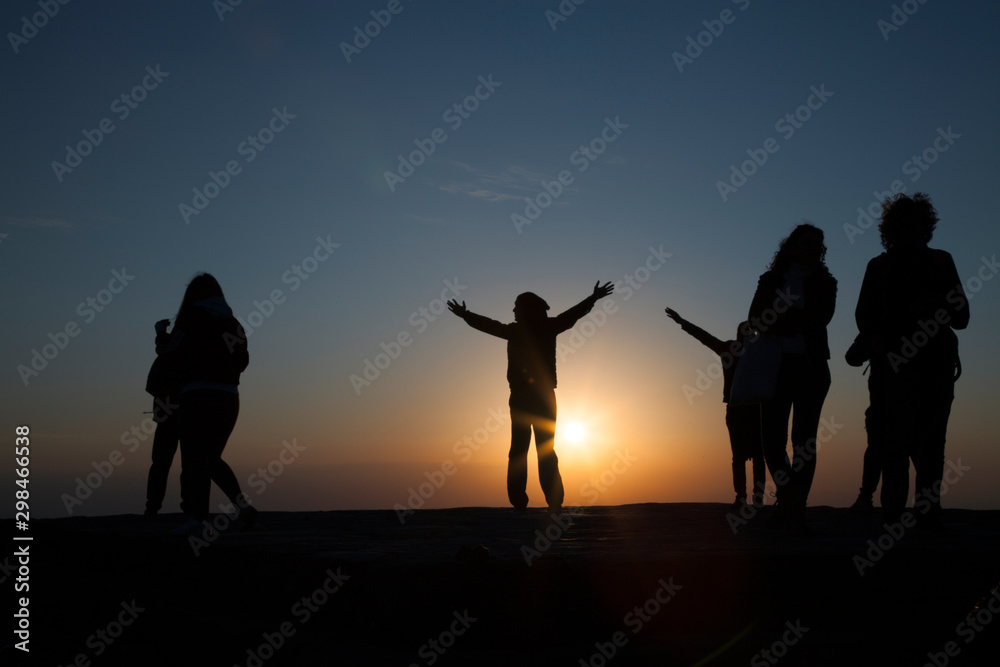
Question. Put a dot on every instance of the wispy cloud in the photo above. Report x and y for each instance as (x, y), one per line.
(473, 190)
(514, 182)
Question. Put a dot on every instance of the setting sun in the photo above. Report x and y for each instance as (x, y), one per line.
(574, 432)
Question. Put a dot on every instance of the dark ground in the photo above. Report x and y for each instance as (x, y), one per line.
(403, 585)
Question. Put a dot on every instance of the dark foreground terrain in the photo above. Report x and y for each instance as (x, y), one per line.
(631, 585)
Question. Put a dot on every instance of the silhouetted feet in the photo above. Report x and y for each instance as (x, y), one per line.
(738, 503)
(758, 500)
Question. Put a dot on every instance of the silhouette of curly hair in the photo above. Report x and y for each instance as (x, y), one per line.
(907, 219)
(783, 255)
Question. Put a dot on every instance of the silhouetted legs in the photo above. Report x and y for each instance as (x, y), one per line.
(929, 460)
(876, 420)
(207, 418)
(164, 447)
(740, 479)
(918, 411)
(803, 382)
(224, 478)
(759, 477)
(165, 441)
(743, 422)
(533, 410)
(871, 471)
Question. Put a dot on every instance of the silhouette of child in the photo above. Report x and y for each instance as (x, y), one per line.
(743, 421)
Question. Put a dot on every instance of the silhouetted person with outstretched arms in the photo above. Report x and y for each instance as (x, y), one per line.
(531, 372)
(163, 384)
(911, 302)
(743, 421)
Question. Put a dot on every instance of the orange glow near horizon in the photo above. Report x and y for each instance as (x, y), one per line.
(642, 439)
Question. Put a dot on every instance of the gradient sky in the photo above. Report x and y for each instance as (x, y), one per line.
(888, 95)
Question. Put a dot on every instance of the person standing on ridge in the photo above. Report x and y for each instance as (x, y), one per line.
(209, 356)
(743, 421)
(165, 388)
(531, 372)
(911, 303)
(800, 294)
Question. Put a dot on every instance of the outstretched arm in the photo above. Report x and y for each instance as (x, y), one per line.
(702, 336)
(484, 324)
(567, 319)
(675, 316)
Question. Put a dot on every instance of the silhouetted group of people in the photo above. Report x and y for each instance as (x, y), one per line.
(910, 303)
(793, 303)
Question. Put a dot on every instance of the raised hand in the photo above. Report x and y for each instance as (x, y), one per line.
(674, 315)
(457, 308)
(601, 291)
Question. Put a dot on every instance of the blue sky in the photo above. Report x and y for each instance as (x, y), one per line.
(321, 180)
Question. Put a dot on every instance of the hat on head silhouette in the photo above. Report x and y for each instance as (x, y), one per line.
(529, 306)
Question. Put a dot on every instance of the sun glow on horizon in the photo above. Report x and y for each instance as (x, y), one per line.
(574, 432)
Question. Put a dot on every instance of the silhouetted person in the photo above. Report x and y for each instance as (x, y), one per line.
(794, 303)
(163, 385)
(209, 354)
(911, 302)
(743, 421)
(531, 373)
(875, 426)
